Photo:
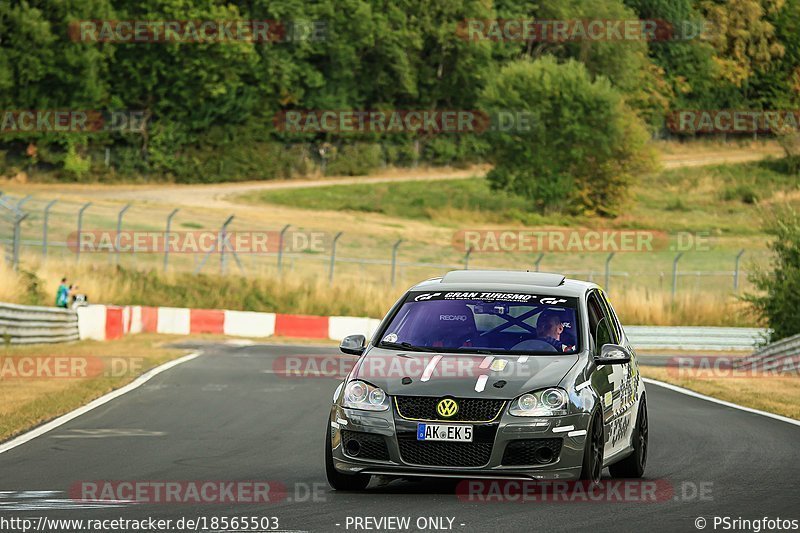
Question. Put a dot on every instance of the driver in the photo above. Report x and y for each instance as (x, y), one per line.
(549, 329)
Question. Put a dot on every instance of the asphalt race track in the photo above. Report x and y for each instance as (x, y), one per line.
(227, 415)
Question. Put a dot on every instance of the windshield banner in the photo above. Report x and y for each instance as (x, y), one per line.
(515, 297)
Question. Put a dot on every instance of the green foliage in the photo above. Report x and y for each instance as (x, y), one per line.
(355, 160)
(676, 204)
(34, 290)
(743, 193)
(416, 200)
(75, 165)
(779, 297)
(210, 106)
(583, 144)
(743, 36)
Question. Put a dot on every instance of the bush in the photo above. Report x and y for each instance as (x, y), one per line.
(401, 152)
(458, 151)
(676, 204)
(128, 160)
(779, 300)
(75, 165)
(743, 193)
(355, 160)
(33, 291)
(581, 145)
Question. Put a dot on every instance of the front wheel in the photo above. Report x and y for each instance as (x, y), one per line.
(593, 451)
(633, 465)
(337, 480)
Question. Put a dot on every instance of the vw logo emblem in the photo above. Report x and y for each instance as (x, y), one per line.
(447, 408)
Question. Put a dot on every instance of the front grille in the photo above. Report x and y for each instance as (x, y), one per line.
(469, 409)
(370, 446)
(531, 452)
(445, 453)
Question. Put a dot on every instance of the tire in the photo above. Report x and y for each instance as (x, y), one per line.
(633, 465)
(592, 469)
(337, 480)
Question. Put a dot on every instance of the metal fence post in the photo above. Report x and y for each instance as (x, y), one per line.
(119, 230)
(394, 260)
(608, 270)
(44, 229)
(675, 274)
(280, 247)
(466, 258)
(538, 260)
(166, 238)
(80, 227)
(23, 201)
(15, 245)
(223, 239)
(333, 256)
(736, 271)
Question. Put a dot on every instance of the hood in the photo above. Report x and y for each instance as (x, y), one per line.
(449, 374)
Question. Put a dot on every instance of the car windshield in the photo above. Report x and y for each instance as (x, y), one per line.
(484, 322)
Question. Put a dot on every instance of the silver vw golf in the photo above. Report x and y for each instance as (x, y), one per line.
(493, 374)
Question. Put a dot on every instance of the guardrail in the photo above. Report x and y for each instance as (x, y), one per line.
(20, 324)
(695, 338)
(28, 324)
(773, 355)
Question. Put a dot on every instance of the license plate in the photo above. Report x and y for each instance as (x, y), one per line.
(444, 432)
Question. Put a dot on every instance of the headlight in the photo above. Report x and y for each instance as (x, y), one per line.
(361, 395)
(547, 402)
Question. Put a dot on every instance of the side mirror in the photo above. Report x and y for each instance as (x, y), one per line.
(353, 344)
(613, 354)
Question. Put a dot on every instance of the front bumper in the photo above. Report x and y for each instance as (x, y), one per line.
(390, 447)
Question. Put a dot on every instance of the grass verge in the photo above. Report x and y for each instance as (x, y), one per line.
(721, 199)
(779, 395)
(101, 367)
(313, 295)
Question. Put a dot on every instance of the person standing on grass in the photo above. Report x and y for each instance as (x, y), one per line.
(62, 294)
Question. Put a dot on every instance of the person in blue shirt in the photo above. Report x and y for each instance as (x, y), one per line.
(62, 294)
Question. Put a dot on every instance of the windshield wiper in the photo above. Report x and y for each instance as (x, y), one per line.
(405, 346)
(482, 351)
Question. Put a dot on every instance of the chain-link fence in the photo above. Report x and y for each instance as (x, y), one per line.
(191, 239)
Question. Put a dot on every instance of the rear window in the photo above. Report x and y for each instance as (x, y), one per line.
(495, 322)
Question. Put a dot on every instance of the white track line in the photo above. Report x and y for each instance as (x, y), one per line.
(694, 394)
(60, 421)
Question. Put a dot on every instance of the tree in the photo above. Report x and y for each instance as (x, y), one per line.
(582, 145)
(779, 299)
(686, 59)
(743, 36)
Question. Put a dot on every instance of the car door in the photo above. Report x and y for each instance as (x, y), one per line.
(613, 383)
(629, 388)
